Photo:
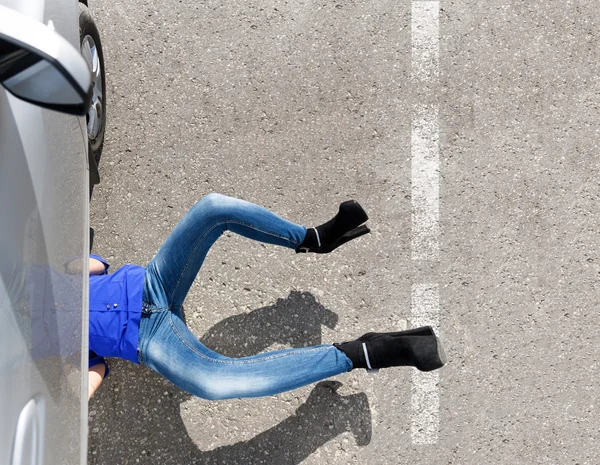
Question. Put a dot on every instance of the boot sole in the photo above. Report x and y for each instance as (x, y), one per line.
(422, 331)
(353, 234)
(441, 352)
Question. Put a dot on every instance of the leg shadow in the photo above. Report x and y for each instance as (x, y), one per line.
(135, 417)
(323, 416)
(295, 321)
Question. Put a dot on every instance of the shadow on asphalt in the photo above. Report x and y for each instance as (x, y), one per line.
(143, 424)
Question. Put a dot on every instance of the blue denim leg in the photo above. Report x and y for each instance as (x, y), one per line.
(167, 345)
(172, 271)
(170, 348)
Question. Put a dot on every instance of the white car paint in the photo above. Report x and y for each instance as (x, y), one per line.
(43, 310)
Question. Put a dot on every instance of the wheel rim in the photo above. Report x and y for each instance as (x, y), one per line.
(95, 114)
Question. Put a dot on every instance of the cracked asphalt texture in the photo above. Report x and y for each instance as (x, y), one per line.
(300, 105)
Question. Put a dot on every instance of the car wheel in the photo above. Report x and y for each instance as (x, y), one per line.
(91, 49)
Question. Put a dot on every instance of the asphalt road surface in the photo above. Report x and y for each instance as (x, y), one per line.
(299, 105)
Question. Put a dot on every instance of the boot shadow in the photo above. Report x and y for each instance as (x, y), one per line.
(137, 413)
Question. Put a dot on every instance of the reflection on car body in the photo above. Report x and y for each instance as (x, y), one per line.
(45, 169)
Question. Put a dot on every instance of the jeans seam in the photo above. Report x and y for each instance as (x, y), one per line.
(148, 312)
(211, 230)
(240, 362)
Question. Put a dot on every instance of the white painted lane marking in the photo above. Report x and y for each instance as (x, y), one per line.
(425, 404)
(425, 401)
(425, 184)
(425, 305)
(425, 27)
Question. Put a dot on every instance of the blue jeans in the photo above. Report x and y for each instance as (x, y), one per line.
(168, 346)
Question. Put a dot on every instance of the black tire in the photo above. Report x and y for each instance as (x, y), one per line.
(87, 27)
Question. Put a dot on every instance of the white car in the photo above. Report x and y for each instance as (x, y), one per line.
(52, 120)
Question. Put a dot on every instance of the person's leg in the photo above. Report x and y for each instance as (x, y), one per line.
(169, 348)
(173, 269)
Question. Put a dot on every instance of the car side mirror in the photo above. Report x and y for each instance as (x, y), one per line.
(40, 66)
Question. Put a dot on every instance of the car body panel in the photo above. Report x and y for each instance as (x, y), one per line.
(43, 310)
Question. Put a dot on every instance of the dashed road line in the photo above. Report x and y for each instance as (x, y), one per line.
(425, 184)
(425, 36)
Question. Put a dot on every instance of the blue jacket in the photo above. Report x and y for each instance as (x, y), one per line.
(115, 312)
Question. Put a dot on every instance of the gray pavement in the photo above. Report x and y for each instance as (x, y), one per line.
(298, 106)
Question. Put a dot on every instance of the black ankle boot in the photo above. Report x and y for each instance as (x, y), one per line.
(417, 347)
(343, 227)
